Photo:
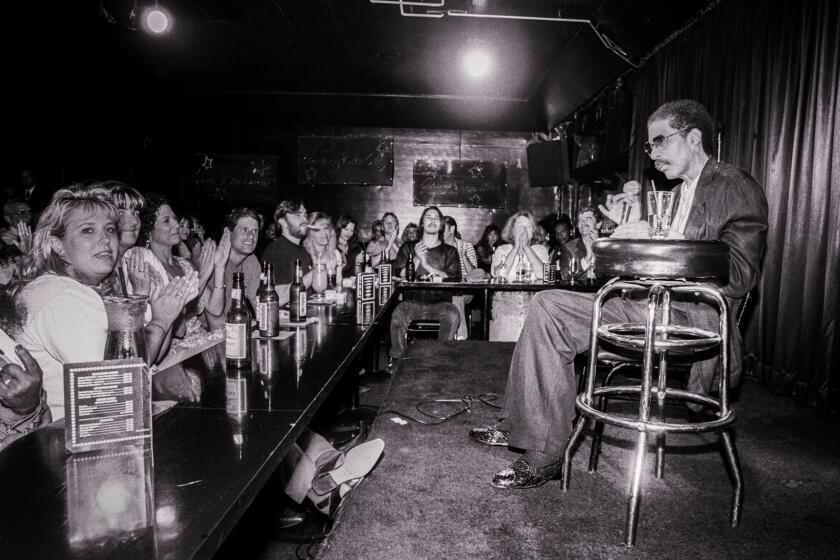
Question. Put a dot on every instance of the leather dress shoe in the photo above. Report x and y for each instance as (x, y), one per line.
(521, 475)
(490, 435)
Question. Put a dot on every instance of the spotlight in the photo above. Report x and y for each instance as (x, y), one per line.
(156, 20)
(477, 63)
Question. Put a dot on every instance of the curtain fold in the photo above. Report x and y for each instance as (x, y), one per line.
(769, 72)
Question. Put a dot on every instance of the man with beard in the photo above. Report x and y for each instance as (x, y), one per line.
(290, 217)
(717, 201)
(432, 257)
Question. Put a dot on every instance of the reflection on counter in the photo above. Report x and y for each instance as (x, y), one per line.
(110, 497)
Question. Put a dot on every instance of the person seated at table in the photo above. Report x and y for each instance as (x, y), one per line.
(487, 246)
(376, 245)
(23, 402)
(541, 234)
(10, 257)
(469, 270)
(290, 217)
(579, 249)
(717, 202)
(347, 243)
(243, 225)
(560, 254)
(521, 259)
(432, 258)
(321, 244)
(190, 234)
(392, 235)
(59, 317)
(159, 233)
(411, 233)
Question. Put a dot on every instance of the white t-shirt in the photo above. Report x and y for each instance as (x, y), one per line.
(65, 322)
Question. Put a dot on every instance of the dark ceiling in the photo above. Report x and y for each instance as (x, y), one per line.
(337, 62)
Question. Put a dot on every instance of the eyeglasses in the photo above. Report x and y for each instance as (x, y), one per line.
(659, 142)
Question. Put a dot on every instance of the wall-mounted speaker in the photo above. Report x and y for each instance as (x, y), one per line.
(548, 163)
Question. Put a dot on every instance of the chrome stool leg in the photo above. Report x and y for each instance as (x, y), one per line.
(734, 464)
(567, 454)
(661, 386)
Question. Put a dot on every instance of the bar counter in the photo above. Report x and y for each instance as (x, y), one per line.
(181, 496)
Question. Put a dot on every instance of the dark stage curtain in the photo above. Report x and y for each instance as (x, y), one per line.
(770, 73)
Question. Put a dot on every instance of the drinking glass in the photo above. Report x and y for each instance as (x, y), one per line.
(319, 280)
(660, 212)
(574, 268)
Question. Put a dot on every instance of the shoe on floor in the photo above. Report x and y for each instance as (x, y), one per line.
(521, 475)
(288, 517)
(490, 435)
(357, 463)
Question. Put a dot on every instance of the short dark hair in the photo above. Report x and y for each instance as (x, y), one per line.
(685, 114)
(237, 214)
(287, 207)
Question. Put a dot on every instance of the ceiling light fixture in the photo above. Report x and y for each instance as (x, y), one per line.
(156, 20)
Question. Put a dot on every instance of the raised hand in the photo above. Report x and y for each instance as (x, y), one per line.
(20, 387)
(206, 260)
(167, 303)
(24, 237)
(222, 253)
(615, 203)
(139, 274)
(421, 251)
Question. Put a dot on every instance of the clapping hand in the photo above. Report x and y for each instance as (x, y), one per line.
(139, 274)
(421, 251)
(167, 303)
(24, 237)
(222, 253)
(206, 261)
(20, 387)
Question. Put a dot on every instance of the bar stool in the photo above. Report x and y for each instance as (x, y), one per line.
(659, 269)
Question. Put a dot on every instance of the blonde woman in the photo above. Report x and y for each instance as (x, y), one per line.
(61, 316)
(521, 258)
(321, 242)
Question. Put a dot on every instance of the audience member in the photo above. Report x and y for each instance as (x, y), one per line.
(32, 191)
(432, 257)
(23, 401)
(242, 225)
(521, 259)
(17, 215)
(346, 243)
(392, 235)
(411, 233)
(321, 244)
(290, 216)
(466, 251)
(487, 246)
(580, 248)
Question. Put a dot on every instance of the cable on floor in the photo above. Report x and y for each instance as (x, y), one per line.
(467, 402)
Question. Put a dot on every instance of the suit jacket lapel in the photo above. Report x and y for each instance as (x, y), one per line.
(695, 227)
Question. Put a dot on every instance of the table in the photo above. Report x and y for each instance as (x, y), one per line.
(181, 497)
(487, 289)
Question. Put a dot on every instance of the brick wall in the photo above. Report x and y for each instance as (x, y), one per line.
(367, 203)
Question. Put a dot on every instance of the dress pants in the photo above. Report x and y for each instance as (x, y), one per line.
(409, 310)
(539, 405)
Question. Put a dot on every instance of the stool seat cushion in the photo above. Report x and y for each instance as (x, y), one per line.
(655, 258)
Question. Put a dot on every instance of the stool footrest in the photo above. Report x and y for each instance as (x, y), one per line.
(671, 338)
(655, 426)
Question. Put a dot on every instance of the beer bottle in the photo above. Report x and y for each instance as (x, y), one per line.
(238, 326)
(297, 297)
(368, 264)
(410, 272)
(268, 303)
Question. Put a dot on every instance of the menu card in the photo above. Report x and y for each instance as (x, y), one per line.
(107, 404)
(366, 286)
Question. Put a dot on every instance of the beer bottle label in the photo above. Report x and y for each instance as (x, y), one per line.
(236, 340)
(302, 304)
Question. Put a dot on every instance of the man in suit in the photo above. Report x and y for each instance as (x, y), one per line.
(32, 191)
(717, 201)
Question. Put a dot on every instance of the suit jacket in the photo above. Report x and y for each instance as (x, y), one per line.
(729, 206)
